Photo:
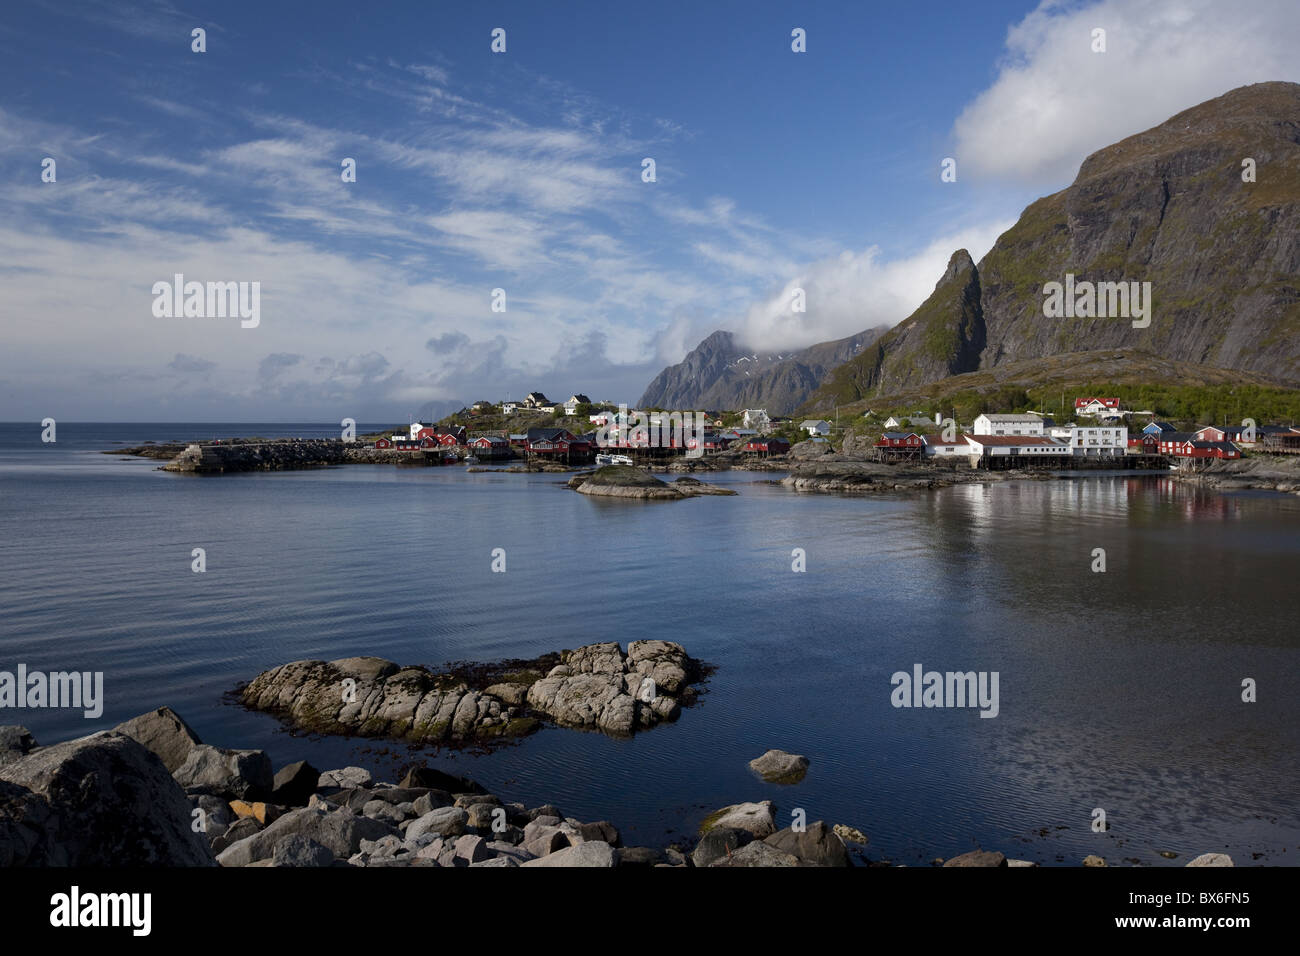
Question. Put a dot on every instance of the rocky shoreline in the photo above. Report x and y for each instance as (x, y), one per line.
(150, 793)
(1259, 472)
(595, 687)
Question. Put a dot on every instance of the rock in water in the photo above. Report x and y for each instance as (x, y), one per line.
(1212, 859)
(978, 858)
(101, 801)
(595, 687)
(777, 766)
(628, 481)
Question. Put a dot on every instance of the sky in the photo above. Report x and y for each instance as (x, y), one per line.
(523, 171)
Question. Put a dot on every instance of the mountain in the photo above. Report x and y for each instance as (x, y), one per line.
(1168, 206)
(719, 374)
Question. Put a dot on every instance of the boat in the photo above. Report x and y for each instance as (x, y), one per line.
(613, 460)
(471, 459)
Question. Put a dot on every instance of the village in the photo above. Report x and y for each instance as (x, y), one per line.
(581, 432)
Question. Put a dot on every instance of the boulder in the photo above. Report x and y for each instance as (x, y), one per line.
(717, 844)
(777, 766)
(341, 831)
(638, 856)
(263, 813)
(601, 830)
(481, 815)
(850, 834)
(348, 778)
(101, 801)
(294, 784)
(445, 822)
(546, 841)
(240, 829)
(817, 843)
(15, 743)
(234, 774)
(758, 854)
(217, 815)
(163, 732)
(473, 849)
(432, 800)
(978, 858)
(437, 780)
(591, 853)
(754, 818)
(1212, 859)
(1093, 861)
(298, 850)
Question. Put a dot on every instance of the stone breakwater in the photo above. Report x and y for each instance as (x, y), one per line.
(149, 792)
(596, 687)
(285, 454)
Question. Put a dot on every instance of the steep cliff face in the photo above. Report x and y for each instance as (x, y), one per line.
(719, 374)
(1167, 206)
(943, 337)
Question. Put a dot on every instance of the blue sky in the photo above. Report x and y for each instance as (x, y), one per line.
(522, 171)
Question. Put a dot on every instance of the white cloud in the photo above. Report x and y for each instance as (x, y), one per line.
(1055, 101)
(855, 291)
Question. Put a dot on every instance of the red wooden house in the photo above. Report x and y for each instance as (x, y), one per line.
(768, 445)
(900, 440)
(1143, 444)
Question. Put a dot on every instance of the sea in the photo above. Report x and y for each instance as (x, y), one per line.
(1161, 691)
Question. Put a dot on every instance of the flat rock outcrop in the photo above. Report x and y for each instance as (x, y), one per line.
(597, 687)
(629, 481)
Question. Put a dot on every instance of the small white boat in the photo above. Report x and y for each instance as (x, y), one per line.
(471, 459)
(613, 460)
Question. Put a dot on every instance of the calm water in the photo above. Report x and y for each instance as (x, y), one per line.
(1118, 690)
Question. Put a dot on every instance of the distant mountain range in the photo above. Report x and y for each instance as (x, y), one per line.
(719, 374)
(1167, 206)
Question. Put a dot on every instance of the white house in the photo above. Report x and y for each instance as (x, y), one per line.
(815, 426)
(571, 406)
(998, 424)
(1098, 407)
(936, 447)
(1100, 441)
(508, 408)
(999, 446)
(602, 418)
